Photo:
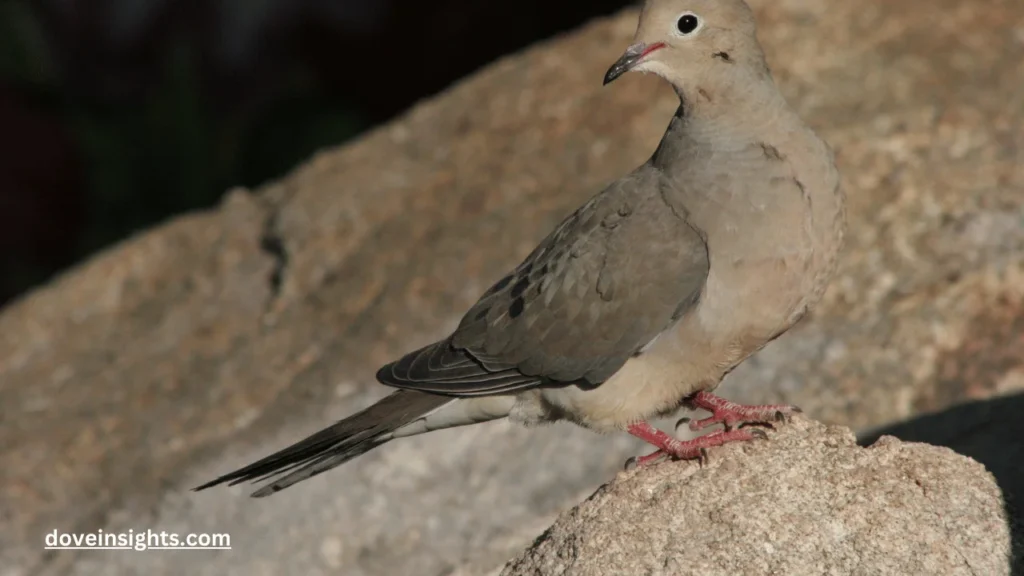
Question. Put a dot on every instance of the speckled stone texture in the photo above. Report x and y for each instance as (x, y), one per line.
(807, 502)
(199, 346)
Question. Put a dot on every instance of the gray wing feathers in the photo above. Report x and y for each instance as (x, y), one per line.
(442, 369)
(607, 281)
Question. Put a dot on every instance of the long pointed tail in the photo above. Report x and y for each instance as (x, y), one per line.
(403, 413)
(335, 445)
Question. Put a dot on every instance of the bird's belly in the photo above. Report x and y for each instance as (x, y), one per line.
(647, 385)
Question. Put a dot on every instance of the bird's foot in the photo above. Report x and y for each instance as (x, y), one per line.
(731, 414)
(695, 449)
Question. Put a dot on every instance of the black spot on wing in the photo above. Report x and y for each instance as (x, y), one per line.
(520, 287)
(517, 307)
(500, 285)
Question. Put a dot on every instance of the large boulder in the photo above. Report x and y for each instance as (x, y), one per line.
(209, 341)
(809, 502)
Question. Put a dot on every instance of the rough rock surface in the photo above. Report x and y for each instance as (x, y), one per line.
(808, 502)
(989, 431)
(209, 341)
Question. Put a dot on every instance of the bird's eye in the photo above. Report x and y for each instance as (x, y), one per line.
(688, 23)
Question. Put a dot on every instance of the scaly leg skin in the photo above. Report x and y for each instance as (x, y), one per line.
(731, 414)
(695, 449)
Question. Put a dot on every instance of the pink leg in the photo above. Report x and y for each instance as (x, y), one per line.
(685, 450)
(730, 414)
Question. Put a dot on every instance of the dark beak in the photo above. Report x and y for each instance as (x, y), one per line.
(634, 54)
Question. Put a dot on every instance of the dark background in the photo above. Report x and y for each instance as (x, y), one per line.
(117, 114)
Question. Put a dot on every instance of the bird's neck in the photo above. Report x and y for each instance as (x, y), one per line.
(724, 121)
(743, 105)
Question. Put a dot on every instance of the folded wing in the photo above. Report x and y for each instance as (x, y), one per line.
(612, 276)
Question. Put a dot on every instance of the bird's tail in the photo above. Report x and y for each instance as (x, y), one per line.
(403, 413)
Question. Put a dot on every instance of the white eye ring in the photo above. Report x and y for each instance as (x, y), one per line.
(688, 24)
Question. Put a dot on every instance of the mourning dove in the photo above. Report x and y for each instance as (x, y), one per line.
(643, 299)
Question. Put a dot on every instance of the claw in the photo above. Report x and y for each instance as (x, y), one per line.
(758, 433)
(630, 463)
(652, 458)
(681, 422)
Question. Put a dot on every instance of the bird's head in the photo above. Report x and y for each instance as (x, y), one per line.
(689, 42)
